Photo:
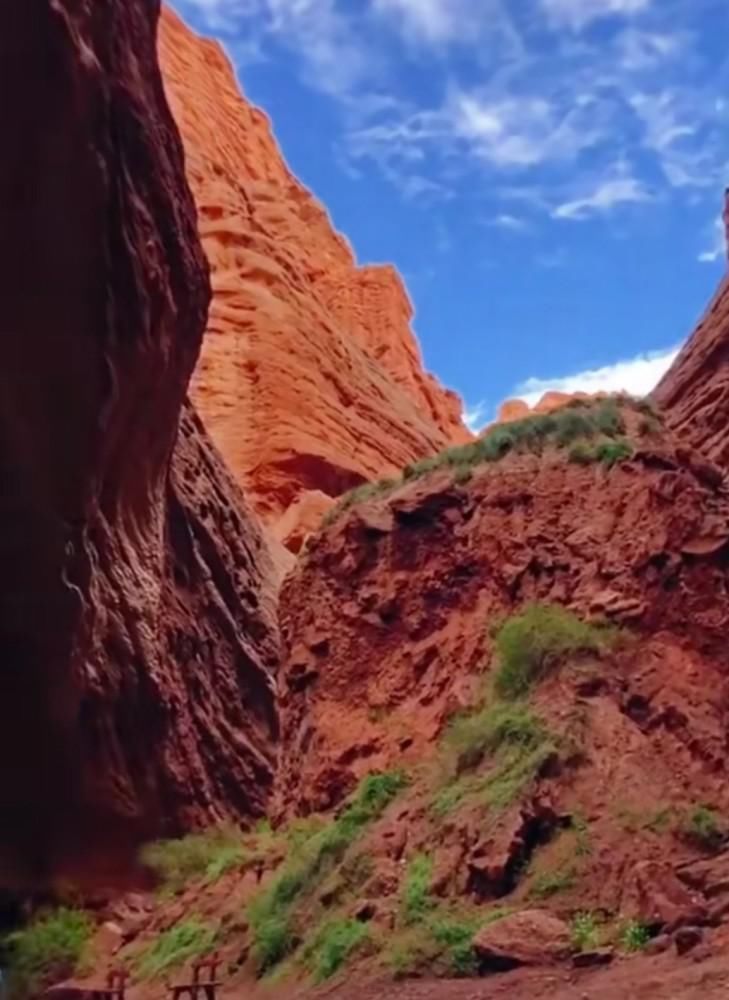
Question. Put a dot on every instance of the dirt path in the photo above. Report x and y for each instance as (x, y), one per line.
(663, 977)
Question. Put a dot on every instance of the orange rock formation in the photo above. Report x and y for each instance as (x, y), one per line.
(516, 409)
(310, 378)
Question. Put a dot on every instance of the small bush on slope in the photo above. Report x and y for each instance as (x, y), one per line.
(529, 644)
(52, 947)
(571, 425)
(702, 826)
(416, 899)
(308, 863)
(209, 855)
(181, 943)
(332, 946)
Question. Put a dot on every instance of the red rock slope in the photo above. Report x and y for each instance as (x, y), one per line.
(694, 393)
(310, 377)
(137, 630)
(385, 619)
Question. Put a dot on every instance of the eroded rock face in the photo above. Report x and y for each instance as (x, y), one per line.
(137, 635)
(310, 377)
(694, 393)
(386, 616)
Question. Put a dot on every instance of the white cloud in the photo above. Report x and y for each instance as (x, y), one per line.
(638, 376)
(475, 417)
(510, 222)
(433, 20)
(717, 247)
(576, 14)
(608, 194)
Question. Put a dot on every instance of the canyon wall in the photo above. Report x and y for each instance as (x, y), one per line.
(694, 393)
(137, 627)
(310, 379)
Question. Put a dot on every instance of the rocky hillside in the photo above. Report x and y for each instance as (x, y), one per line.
(310, 379)
(490, 737)
(137, 628)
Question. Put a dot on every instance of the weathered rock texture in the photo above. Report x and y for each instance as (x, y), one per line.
(517, 409)
(136, 615)
(410, 583)
(694, 393)
(310, 377)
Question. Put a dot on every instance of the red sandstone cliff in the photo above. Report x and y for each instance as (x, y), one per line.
(137, 634)
(310, 377)
(694, 393)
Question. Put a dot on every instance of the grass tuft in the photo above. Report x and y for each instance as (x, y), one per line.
(417, 902)
(309, 861)
(703, 827)
(530, 643)
(634, 936)
(51, 948)
(207, 855)
(585, 932)
(187, 940)
(332, 946)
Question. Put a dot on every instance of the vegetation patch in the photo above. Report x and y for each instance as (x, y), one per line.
(634, 936)
(309, 861)
(50, 948)
(585, 932)
(207, 855)
(528, 645)
(703, 827)
(550, 884)
(332, 946)
(512, 736)
(592, 431)
(360, 494)
(416, 899)
(185, 941)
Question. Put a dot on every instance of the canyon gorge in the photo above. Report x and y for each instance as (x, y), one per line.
(295, 669)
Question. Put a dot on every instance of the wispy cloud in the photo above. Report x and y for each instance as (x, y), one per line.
(607, 195)
(638, 375)
(512, 223)
(475, 417)
(579, 13)
(716, 248)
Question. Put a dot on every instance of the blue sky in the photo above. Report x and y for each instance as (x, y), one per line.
(546, 174)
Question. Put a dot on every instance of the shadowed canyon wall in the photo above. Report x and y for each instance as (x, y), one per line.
(137, 635)
(310, 379)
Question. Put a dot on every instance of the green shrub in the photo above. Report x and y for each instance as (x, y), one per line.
(52, 947)
(456, 938)
(360, 494)
(551, 883)
(585, 932)
(416, 899)
(702, 826)
(581, 454)
(608, 418)
(199, 855)
(308, 862)
(332, 945)
(187, 940)
(634, 936)
(491, 729)
(612, 452)
(529, 644)
(519, 743)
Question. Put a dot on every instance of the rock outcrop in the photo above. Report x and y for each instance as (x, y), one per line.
(694, 393)
(411, 582)
(137, 636)
(310, 377)
(517, 409)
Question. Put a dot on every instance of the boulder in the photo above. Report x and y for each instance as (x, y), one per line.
(531, 937)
